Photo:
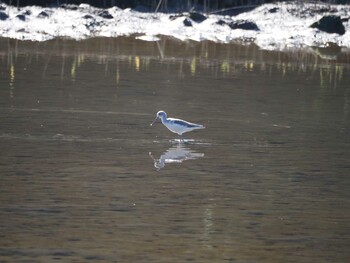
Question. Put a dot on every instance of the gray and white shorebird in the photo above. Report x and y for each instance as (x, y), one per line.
(176, 125)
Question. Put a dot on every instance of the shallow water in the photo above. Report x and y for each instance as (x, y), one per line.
(85, 178)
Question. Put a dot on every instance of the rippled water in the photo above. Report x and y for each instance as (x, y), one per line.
(85, 178)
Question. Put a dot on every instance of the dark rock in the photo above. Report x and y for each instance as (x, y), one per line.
(21, 17)
(273, 10)
(173, 17)
(2, 7)
(3, 16)
(221, 22)
(69, 7)
(243, 24)
(325, 10)
(197, 17)
(43, 14)
(88, 17)
(330, 24)
(191, 17)
(92, 25)
(105, 14)
(187, 22)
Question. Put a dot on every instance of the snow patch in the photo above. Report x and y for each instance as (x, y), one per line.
(148, 38)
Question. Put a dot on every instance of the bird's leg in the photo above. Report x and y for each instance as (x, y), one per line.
(182, 139)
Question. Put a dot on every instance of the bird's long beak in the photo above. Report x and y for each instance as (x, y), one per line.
(154, 121)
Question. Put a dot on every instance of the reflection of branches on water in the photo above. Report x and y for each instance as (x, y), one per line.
(12, 78)
(330, 76)
(208, 225)
(223, 60)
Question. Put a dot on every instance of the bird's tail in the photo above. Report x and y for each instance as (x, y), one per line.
(199, 126)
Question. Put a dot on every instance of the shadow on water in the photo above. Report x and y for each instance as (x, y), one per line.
(266, 181)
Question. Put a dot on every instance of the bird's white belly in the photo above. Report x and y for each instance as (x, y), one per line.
(176, 128)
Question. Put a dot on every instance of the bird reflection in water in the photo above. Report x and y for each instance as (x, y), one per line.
(176, 154)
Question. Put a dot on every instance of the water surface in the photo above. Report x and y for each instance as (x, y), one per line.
(84, 178)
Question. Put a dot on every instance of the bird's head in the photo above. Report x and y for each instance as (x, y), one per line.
(160, 115)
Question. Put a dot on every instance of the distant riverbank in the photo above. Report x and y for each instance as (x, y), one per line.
(270, 26)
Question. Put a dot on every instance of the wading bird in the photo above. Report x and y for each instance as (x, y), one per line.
(176, 125)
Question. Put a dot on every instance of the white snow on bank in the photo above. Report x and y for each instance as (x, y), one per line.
(287, 26)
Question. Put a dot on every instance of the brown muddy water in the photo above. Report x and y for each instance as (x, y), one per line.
(84, 178)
